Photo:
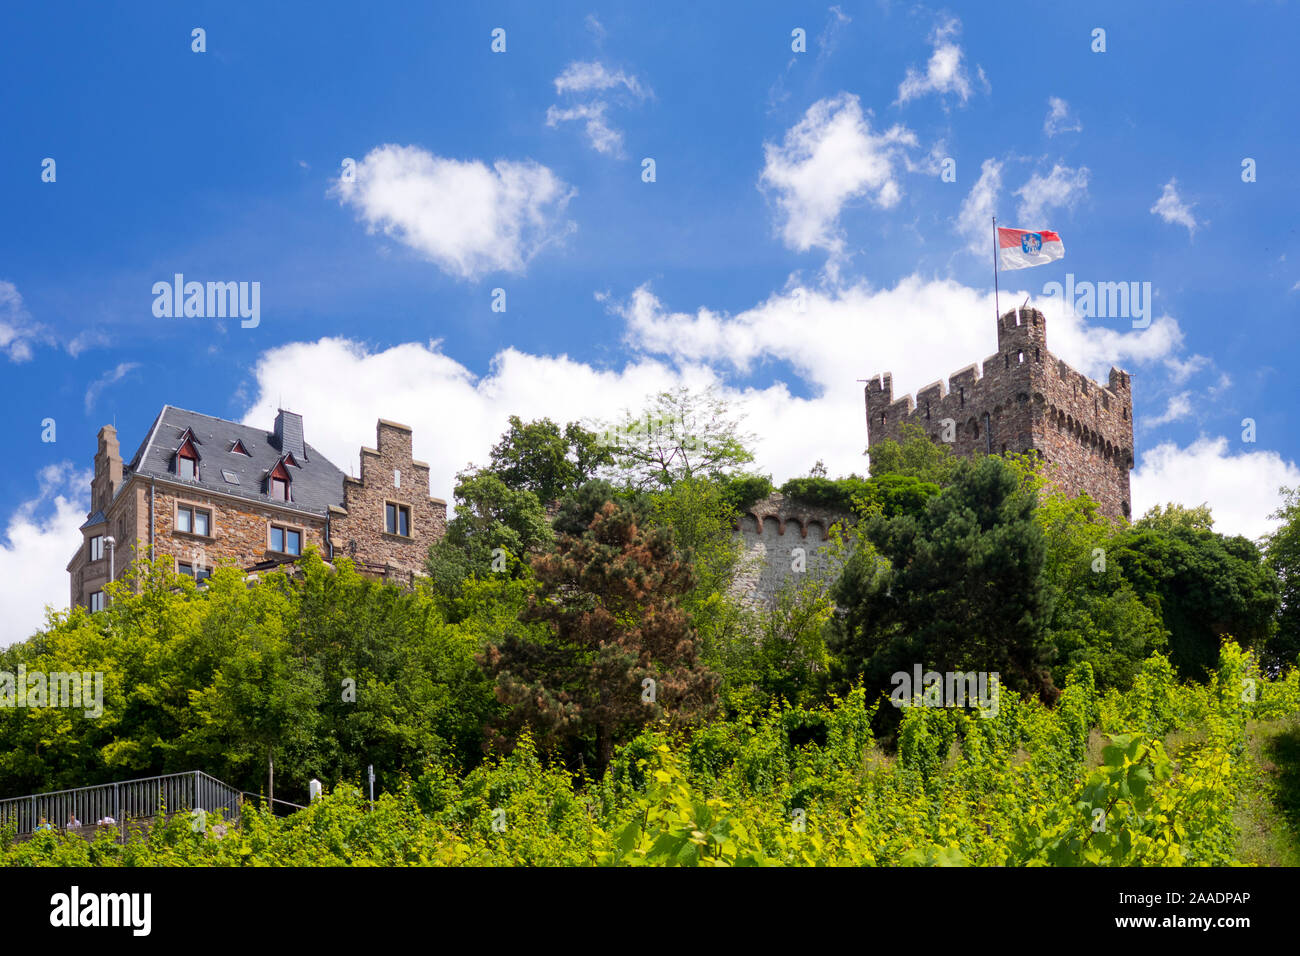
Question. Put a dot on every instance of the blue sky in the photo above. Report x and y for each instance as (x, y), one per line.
(799, 233)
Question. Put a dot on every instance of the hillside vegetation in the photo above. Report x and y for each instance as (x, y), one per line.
(575, 683)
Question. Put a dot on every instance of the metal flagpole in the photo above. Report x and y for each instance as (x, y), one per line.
(997, 312)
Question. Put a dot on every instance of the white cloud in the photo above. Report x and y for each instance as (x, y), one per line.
(579, 77)
(1179, 408)
(1059, 119)
(594, 77)
(975, 219)
(1240, 489)
(945, 73)
(85, 340)
(18, 333)
(828, 159)
(603, 137)
(1181, 370)
(466, 217)
(1062, 187)
(107, 379)
(1171, 208)
(37, 544)
(595, 27)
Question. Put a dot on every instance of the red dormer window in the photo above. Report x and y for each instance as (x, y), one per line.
(239, 449)
(187, 460)
(278, 483)
(290, 460)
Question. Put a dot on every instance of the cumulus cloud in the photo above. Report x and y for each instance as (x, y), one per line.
(107, 379)
(37, 544)
(1171, 208)
(1059, 119)
(18, 333)
(1062, 187)
(464, 216)
(588, 78)
(975, 218)
(945, 73)
(830, 158)
(1241, 489)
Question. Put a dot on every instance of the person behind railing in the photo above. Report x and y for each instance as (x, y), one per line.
(105, 821)
(43, 825)
(73, 821)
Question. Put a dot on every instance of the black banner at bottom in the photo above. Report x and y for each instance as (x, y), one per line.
(364, 904)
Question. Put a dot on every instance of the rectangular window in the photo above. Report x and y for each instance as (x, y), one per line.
(194, 521)
(279, 489)
(97, 547)
(185, 467)
(397, 520)
(286, 540)
(97, 601)
(190, 571)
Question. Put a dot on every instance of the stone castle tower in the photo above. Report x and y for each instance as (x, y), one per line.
(1025, 400)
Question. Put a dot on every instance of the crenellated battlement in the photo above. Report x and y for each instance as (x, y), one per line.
(1023, 399)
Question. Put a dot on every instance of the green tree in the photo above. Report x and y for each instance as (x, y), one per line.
(682, 434)
(1205, 586)
(959, 588)
(495, 529)
(1171, 516)
(916, 455)
(1097, 617)
(541, 458)
(611, 599)
(1283, 550)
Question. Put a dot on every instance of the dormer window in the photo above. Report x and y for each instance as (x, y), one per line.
(187, 459)
(277, 483)
(238, 449)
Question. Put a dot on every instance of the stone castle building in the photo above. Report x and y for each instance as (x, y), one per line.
(202, 491)
(1026, 400)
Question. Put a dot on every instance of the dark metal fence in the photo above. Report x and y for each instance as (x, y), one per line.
(121, 802)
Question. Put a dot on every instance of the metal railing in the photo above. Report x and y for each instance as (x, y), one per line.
(128, 800)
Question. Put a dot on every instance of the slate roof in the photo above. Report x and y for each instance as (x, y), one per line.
(316, 483)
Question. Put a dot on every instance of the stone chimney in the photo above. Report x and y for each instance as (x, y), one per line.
(108, 470)
(288, 434)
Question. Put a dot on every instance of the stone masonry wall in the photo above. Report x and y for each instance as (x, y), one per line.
(770, 531)
(389, 473)
(240, 529)
(1025, 400)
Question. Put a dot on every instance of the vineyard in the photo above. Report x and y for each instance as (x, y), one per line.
(1149, 777)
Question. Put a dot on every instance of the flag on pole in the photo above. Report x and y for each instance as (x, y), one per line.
(1021, 248)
